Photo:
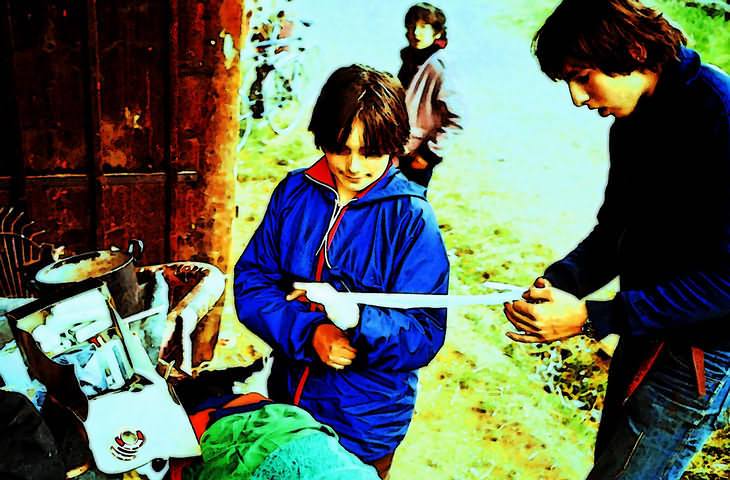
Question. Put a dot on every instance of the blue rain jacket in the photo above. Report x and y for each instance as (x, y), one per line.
(385, 240)
(664, 226)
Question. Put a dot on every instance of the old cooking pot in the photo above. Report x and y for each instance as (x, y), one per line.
(115, 268)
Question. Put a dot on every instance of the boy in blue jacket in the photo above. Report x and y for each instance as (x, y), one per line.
(663, 228)
(354, 222)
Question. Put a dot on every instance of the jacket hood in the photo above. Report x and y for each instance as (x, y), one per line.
(689, 64)
(391, 184)
(680, 73)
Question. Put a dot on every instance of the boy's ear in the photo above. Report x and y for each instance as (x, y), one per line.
(638, 52)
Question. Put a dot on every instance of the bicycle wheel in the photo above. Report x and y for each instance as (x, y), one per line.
(245, 116)
(282, 89)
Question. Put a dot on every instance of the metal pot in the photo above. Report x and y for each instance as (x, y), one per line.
(115, 268)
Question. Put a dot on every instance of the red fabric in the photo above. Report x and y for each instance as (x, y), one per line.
(246, 399)
(200, 421)
(334, 229)
(698, 359)
(177, 465)
(320, 171)
(312, 307)
(643, 370)
(320, 267)
(300, 387)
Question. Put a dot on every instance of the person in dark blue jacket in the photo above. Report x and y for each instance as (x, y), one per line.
(354, 222)
(663, 228)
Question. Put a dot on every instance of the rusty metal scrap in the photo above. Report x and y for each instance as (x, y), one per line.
(184, 315)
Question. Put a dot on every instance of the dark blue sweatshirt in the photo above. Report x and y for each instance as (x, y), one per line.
(664, 226)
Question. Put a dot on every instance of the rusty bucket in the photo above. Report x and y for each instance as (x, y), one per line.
(115, 268)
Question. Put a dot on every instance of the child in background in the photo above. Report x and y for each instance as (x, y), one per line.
(431, 116)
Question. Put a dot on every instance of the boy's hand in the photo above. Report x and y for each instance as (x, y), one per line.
(546, 314)
(333, 347)
(340, 311)
(418, 162)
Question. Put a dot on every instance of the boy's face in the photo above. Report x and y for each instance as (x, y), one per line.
(423, 35)
(352, 169)
(615, 95)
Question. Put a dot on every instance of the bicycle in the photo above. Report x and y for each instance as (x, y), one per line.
(274, 87)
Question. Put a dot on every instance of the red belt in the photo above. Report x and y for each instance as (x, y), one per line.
(698, 360)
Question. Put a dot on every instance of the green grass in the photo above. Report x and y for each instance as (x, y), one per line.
(709, 36)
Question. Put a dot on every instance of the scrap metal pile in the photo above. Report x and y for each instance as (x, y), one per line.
(99, 343)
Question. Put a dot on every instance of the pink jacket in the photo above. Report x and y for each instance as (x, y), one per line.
(430, 110)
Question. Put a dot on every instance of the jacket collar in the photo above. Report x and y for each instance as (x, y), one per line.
(689, 65)
(675, 76)
(679, 73)
(320, 173)
(390, 184)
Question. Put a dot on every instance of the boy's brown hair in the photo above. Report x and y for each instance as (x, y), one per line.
(428, 14)
(376, 98)
(614, 36)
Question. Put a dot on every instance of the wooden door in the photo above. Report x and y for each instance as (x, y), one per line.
(116, 112)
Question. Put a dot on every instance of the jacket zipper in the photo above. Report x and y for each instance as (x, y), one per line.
(337, 214)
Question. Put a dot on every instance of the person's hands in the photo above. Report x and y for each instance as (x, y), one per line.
(339, 310)
(546, 314)
(332, 346)
(418, 162)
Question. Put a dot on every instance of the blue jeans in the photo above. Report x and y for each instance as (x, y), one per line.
(665, 423)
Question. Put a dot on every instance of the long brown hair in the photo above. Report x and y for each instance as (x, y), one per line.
(606, 34)
(376, 98)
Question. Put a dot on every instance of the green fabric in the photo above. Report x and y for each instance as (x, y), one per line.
(234, 446)
(313, 457)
